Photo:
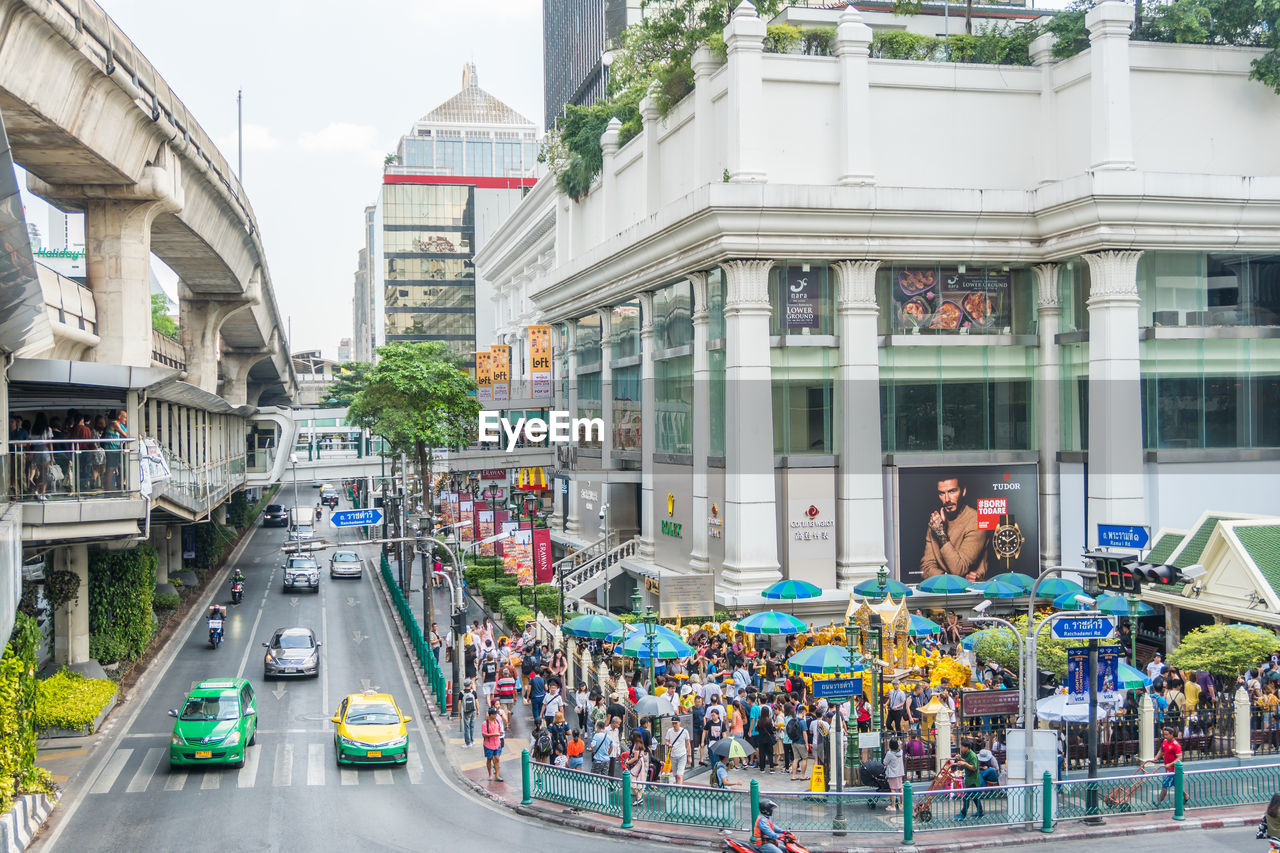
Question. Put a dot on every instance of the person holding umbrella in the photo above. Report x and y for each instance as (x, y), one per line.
(727, 749)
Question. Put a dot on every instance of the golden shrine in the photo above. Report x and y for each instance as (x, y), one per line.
(895, 625)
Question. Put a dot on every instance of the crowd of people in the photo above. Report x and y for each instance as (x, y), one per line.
(52, 455)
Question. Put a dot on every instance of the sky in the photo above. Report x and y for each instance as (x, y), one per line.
(329, 89)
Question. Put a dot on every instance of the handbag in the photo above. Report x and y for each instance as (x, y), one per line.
(99, 456)
(55, 473)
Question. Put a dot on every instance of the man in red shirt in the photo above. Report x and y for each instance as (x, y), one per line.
(1170, 752)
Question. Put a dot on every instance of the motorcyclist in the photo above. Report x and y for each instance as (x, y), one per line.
(216, 615)
(237, 576)
(764, 835)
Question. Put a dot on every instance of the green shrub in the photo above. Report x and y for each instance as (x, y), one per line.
(494, 591)
(900, 44)
(212, 542)
(60, 587)
(121, 588)
(18, 770)
(166, 601)
(819, 41)
(781, 38)
(239, 512)
(68, 700)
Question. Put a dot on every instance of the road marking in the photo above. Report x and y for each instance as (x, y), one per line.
(283, 776)
(112, 772)
(248, 773)
(278, 692)
(177, 778)
(150, 763)
(324, 670)
(357, 637)
(382, 776)
(212, 779)
(253, 632)
(416, 769)
(349, 776)
(315, 764)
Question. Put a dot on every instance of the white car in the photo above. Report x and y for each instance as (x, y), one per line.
(346, 564)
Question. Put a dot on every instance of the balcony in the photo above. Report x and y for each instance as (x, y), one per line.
(77, 489)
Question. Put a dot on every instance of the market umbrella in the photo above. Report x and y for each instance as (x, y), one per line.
(1133, 678)
(664, 648)
(626, 630)
(920, 625)
(733, 746)
(880, 587)
(944, 585)
(968, 641)
(655, 706)
(790, 589)
(591, 625)
(999, 589)
(1118, 605)
(1068, 602)
(823, 660)
(1057, 709)
(1057, 587)
(1021, 581)
(770, 622)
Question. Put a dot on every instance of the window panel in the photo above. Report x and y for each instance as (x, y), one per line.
(626, 408)
(673, 316)
(673, 405)
(624, 325)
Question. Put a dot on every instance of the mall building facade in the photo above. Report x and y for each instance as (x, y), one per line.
(822, 287)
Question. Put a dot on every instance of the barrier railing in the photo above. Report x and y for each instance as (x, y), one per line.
(426, 658)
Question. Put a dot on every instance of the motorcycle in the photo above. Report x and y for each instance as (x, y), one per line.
(788, 845)
(237, 591)
(217, 614)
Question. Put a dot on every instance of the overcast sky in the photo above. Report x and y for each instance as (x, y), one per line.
(329, 88)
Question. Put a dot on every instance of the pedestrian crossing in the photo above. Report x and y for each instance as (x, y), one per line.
(281, 765)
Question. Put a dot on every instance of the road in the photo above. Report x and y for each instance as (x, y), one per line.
(290, 795)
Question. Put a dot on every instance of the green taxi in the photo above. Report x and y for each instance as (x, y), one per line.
(216, 724)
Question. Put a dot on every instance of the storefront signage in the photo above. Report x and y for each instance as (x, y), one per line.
(670, 528)
(493, 474)
(500, 360)
(652, 585)
(540, 361)
(990, 703)
(946, 299)
(802, 299)
(686, 596)
(484, 377)
(810, 526)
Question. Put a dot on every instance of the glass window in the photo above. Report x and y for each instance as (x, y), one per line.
(715, 305)
(479, 157)
(507, 157)
(589, 401)
(624, 329)
(429, 269)
(449, 156)
(427, 241)
(1073, 294)
(716, 372)
(802, 302)
(626, 407)
(589, 342)
(1073, 395)
(673, 405)
(417, 153)
(802, 400)
(1209, 289)
(929, 298)
(422, 204)
(673, 316)
(441, 296)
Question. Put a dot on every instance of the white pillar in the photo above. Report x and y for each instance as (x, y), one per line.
(1046, 149)
(1111, 113)
(1146, 729)
(1244, 740)
(1172, 628)
(860, 490)
(586, 667)
(606, 391)
(71, 622)
(941, 738)
(1048, 421)
(751, 518)
(745, 115)
(704, 168)
(609, 207)
(571, 521)
(853, 41)
(699, 553)
(650, 119)
(1115, 371)
(118, 251)
(648, 443)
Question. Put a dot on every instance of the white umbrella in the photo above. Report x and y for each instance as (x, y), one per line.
(1056, 709)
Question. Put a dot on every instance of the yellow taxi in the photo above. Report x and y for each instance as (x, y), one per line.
(369, 729)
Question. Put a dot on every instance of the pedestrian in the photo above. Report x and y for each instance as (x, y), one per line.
(988, 768)
(1270, 825)
(553, 702)
(897, 708)
(677, 740)
(505, 687)
(712, 732)
(799, 734)
(698, 713)
(637, 764)
(819, 734)
(541, 745)
(535, 693)
(615, 745)
(615, 708)
(972, 780)
(493, 732)
(1170, 753)
(574, 750)
(895, 769)
(436, 642)
(489, 675)
(582, 704)
(1156, 667)
(766, 738)
(601, 746)
(470, 707)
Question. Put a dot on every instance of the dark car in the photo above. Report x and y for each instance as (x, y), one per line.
(275, 515)
(329, 499)
(291, 651)
(301, 572)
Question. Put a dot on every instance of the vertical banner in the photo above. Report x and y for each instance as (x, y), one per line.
(517, 557)
(484, 376)
(542, 571)
(1077, 675)
(485, 519)
(1109, 672)
(803, 298)
(466, 511)
(540, 361)
(500, 526)
(500, 367)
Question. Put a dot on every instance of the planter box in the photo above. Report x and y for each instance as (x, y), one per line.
(88, 730)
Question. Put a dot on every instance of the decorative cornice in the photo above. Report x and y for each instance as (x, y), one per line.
(747, 284)
(1113, 277)
(1046, 287)
(856, 284)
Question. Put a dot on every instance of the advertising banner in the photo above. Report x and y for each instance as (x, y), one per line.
(974, 521)
(500, 367)
(485, 520)
(804, 298)
(540, 361)
(542, 563)
(484, 376)
(517, 557)
(500, 522)
(1109, 672)
(449, 508)
(944, 299)
(466, 515)
(1077, 675)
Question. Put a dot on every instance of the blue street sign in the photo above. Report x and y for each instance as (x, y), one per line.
(356, 518)
(837, 688)
(1083, 628)
(1123, 536)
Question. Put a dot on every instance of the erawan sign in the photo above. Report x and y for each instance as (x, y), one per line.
(560, 428)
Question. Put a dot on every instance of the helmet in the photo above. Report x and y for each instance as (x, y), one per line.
(767, 807)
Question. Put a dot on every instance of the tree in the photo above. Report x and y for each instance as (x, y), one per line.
(1225, 650)
(418, 399)
(160, 319)
(999, 646)
(352, 376)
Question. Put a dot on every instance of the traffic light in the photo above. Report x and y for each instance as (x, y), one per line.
(1157, 575)
(1047, 683)
(1116, 572)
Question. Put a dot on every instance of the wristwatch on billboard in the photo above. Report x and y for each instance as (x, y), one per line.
(1007, 540)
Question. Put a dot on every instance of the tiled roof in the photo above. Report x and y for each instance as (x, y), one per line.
(474, 105)
(1262, 543)
(1194, 548)
(1164, 547)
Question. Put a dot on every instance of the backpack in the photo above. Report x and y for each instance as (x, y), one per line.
(543, 743)
(469, 702)
(793, 730)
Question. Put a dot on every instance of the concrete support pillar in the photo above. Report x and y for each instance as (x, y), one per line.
(200, 318)
(174, 546)
(745, 114)
(606, 390)
(118, 250)
(71, 622)
(1146, 729)
(1244, 719)
(609, 201)
(220, 514)
(1048, 421)
(158, 532)
(1109, 94)
(699, 554)
(1172, 628)
(942, 739)
(704, 163)
(853, 41)
(236, 364)
(648, 443)
(586, 667)
(1046, 151)
(751, 517)
(1116, 493)
(652, 162)
(860, 489)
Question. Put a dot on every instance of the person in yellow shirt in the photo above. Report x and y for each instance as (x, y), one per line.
(1191, 691)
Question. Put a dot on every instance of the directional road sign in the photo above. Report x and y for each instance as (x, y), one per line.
(1123, 536)
(356, 518)
(1083, 628)
(837, 688)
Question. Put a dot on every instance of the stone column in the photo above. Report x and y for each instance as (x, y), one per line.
(606, 391)
(609, 201)
(571, 521)
(1172, 628)
(699, 553)
(704, 169)
(745, 116)
(942, 738)
(1116, 493)
(650, 118)
(71, 622)
(1041, 50)
(860, 490)
(1244, 739)
(236, 365)
(570, 673)
(1146, 729)
(648, 441)
(199, 319)
(162, 552)
(751, 517)
(853, 40)
(118, 250)
(1111, 110)
(1048, 421)
(174, 546)
(220, 514)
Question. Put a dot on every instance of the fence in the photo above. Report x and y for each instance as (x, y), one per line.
(421, 648)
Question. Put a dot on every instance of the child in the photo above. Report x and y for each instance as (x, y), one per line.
(574, 750)
(894, 770)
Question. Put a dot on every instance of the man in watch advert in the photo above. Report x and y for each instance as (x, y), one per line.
(972, 521)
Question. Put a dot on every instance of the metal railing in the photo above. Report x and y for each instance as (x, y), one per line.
(166, 352)
(73, 469)
(426, 658)
(602, 563)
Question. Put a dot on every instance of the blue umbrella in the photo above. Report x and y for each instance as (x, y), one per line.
(944, 585)
(1118, 605)
(790, 589)
(969, 641)
(1068, 602)
(920, 625)
(879, 588)
(1017, 579)
(626, 630)
(1130, 677)
(1000, 589)
(1056, 587)
(819, 660)
(591, 625)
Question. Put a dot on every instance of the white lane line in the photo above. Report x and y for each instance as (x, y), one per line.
(212, 779)
(382, 776)
(248, 773)
(253, 632)
(166, 735)
(315, 764)
(283, 775)
(416, 770)
(150, 763)
(112, 772)
(177, 778)
(325, 710)
(349, 776)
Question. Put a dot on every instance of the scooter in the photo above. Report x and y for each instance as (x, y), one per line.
(217, 613)
(237, 591)
(788, 845)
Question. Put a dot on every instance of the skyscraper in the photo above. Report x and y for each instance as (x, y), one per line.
(575, 36)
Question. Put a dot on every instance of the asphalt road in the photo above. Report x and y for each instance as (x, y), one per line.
(290, 795)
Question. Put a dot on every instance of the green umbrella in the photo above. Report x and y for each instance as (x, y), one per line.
(944, 585)
(637, 646)
(1021, 581)
(969, 641)
(824, 660)
(733, 746)
(790, 589)
(770, 622)
(627, 629)
(1132, 678)
(1118, 605)
(1068, 602)
(879, 588)
(1000, 589)
(920, 626)
(591, 625)
(1056, 587)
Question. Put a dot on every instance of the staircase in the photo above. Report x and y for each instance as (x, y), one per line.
(592, 571)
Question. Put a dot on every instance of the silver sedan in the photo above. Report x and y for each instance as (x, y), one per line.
(346, 564)
(291, 651)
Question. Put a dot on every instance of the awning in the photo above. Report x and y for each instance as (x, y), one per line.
(55, 384)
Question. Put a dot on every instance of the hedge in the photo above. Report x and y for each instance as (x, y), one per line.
(18, 685)
(70, 701)
(121, 588)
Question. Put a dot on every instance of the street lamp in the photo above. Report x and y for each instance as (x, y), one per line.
(293, 460)
(650, 621)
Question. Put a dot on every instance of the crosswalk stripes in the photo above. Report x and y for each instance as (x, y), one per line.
(283, 776)
(315, 764)
(382, 776)
(211, 782)
(415, 768)
(147, 770)
(349, 776)
(111, 772)
(177, 778)
(244, 779)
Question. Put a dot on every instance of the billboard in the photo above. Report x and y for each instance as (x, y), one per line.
(974, 521)
(500, 367)
(484, 376)
(540, 361)
(947, 299)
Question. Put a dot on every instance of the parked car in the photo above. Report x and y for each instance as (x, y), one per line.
(217, 722)
(303, 572)
(291, 651)
(346, 564)
(275, 515)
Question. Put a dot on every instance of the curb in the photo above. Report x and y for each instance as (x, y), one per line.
(21, 823)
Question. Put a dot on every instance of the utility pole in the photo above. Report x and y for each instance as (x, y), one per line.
(1091, 796)
(428, 600)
